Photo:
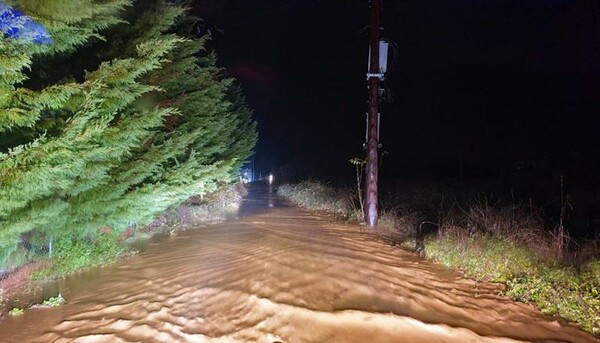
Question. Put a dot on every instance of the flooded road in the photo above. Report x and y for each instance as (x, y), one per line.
(281, 274)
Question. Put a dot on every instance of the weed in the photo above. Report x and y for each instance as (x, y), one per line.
(73, 254)
(54, 301)
(15, 311)
(200, 210)
(316, 195)
(556, 289)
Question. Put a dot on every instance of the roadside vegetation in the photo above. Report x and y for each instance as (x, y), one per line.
(489, 241)
(50, 302)
(316, 195)
(71, 255)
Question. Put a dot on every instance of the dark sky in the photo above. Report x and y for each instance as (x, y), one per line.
(490, 82)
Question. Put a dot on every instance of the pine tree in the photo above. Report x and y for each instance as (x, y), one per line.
(153, 124)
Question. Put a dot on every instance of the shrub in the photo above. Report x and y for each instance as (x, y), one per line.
(509, 245)
(316, 195)
(198, 210)
(73, 254)
(54, 301)
(15, 311)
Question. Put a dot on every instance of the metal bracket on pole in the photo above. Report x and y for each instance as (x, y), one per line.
(366, 131)
(378, 126)
(380, 76)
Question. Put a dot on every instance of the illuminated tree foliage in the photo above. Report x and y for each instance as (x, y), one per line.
(121, 117)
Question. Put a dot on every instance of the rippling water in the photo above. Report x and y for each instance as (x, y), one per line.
(281, 274)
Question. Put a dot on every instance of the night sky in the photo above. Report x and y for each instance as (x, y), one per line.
(491, 83)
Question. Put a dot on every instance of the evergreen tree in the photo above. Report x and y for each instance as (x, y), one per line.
(153, 124)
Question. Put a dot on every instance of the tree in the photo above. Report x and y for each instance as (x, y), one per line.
(152, 124)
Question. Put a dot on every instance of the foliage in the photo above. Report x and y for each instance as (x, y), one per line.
(72, 254)
(123, 117)
(559, 290)
(50, 302)
(54, 301)
(482, 257)
(316, 195)
(554, 288)
(15, 311)
(526, 263)
(213, 208)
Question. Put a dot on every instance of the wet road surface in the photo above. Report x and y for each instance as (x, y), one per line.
(281, 274)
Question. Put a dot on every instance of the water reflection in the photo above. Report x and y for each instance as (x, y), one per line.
(263, 198)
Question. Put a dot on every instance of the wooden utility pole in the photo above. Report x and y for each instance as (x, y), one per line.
(374, 77)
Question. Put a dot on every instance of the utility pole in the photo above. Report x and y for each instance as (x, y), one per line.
(374, 77)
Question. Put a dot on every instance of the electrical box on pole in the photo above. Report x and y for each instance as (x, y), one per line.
(383, 59)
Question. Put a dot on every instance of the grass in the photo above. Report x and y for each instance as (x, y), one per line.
(74, 254)
(509, 244)
(317, 195)
(484, 258)
(557, 289)
(50, 302)
(495, 242)
(54, 301)
(199, 211)
(15, 311)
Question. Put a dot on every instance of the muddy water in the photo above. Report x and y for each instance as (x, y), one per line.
(281, 274)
